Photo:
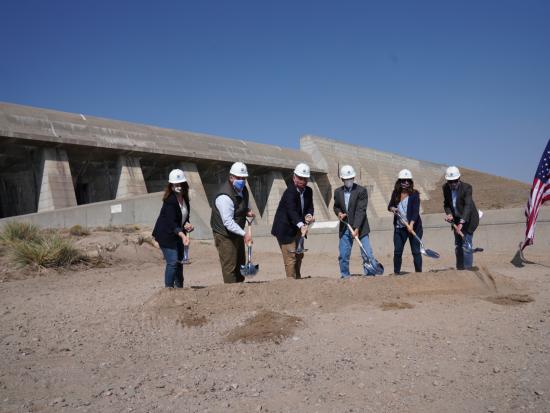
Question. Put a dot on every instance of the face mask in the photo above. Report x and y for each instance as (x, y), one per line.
(300, 183)
(348, 183)
(238, 184)
(405, 184)
(177, 189)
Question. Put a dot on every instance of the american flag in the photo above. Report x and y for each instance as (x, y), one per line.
(540, 193)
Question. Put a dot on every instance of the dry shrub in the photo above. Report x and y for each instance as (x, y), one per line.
(20, 231)
(49, 251)
(78, 231)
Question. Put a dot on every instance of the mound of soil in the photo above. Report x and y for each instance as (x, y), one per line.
(323, 294)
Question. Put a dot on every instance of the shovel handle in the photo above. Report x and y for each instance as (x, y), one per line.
(459, 232)
(404, 221)
(249, 222)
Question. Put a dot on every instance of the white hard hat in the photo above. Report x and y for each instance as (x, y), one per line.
(405, 174)
(452, 173)
(347, 172)
(239, 169)
(176, 176)
(302, 170)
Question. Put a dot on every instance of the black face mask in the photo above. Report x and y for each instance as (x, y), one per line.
(453, 185)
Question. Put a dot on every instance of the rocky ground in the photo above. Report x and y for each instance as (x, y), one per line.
(108, 338)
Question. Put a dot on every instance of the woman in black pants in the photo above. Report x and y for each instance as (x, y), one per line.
(172, 227)
(405, 203)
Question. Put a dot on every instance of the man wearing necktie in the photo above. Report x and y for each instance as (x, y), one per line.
(292, 219)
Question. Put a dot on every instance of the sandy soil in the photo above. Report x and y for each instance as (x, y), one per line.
(111, 339)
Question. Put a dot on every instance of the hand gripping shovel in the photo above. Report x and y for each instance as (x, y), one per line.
(369, 266)
(300, 245)
(249, 269)
(423, 250)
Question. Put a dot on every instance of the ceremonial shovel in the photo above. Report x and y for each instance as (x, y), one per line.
(467, 246)
(369, 267)
(427, 252)
(249, 269)
(300, 245)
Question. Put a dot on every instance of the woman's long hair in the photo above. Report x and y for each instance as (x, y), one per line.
(397, 190)
(169, 191)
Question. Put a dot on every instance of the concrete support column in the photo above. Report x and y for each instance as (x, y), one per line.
(277, 186)
(259, 221)
(130, 181)
(321, 210)
(56, 187)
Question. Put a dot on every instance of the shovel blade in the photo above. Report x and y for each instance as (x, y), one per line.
(429, 253)
(249, 270)
(373, 269)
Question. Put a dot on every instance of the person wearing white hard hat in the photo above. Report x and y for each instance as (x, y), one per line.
(292, 219)
(172, 227)
(350, 205)
(230, 208)
(405, 203)
(461, 211)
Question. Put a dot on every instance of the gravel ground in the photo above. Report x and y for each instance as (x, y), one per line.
(111, 339)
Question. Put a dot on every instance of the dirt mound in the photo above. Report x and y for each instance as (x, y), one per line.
(323, 294)
(265, 326)
(490, 192)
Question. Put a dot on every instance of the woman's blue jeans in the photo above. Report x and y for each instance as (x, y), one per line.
(173, 274)
(400, 236)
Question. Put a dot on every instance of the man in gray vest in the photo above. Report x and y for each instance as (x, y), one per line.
(229, 211)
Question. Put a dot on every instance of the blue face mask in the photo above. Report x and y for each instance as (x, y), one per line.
(238, 184)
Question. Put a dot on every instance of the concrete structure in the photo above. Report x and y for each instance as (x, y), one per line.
(56, 187)
(65, 159)
(375, 170)
(60, 169)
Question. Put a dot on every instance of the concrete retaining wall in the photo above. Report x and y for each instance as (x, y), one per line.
(499, 230)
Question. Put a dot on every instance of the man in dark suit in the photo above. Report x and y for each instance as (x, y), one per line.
(293, 216)
(350, 205)
(461, 211)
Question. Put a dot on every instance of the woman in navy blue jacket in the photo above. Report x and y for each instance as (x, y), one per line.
(172, 227)
(405, 201)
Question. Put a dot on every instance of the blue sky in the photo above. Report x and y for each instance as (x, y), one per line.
(453, 82)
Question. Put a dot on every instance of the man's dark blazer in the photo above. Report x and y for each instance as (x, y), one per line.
(465, 206)
(357, 209)
(289, 214)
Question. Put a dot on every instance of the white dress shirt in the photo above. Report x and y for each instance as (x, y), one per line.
(225, 205)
